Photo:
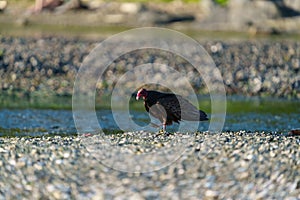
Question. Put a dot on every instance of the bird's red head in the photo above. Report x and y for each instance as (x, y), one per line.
(142, 93)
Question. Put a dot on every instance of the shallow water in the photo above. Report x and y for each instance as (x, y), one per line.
(34, 122)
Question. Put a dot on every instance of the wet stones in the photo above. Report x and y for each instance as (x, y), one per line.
(252, 68)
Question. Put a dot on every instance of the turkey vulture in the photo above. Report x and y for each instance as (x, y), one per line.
(166, 107)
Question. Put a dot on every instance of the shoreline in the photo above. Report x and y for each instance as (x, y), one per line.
(227, 165)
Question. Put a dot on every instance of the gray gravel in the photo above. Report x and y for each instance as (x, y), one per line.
(49, 66)
(230, 165)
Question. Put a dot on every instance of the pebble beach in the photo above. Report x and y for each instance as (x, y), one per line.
(48, 65)
(229, 165)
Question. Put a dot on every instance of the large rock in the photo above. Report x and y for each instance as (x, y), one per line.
(255, 15)
(3, 5)
(292, 4)
(130, 8)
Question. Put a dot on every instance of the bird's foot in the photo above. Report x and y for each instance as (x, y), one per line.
(159, 133)
(162, 132)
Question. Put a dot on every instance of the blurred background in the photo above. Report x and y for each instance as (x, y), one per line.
(89, 16)
(254, 43)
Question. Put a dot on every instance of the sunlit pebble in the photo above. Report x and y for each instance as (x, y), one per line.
(66, 155)
(50, 188)
(295, 63)
(12, 162)
(59, 161)
(87, 134)
(211, 194)
(215, 48)
(38, 166)
(33, 61)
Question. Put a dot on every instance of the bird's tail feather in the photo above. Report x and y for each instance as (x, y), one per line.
(194, 115)
(203, 115)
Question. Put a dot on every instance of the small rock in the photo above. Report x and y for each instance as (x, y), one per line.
(3, 5)
(211, 194)
(114, 18)
(130, 8)
(295, 132)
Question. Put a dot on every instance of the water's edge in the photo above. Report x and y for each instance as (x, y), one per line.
(37, 118)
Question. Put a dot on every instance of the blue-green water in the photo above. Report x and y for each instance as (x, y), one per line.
(53, 116)
(36, 122)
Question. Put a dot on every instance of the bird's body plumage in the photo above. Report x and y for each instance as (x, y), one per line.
(169, 107)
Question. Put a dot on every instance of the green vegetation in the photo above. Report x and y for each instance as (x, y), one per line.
(36, 101)
(12, 132)
(138, 1)
(59, 30)
(90, 32)
(263, 105)
(234, 104)
(222, 2)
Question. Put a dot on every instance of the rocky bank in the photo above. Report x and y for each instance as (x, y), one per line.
(48, 65)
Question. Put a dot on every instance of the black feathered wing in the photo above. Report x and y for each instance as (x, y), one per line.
(181, 108)
(159, 112)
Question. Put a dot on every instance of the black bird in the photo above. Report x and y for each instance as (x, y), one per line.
(169, 107)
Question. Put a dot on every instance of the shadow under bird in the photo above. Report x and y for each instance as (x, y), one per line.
(169, 107)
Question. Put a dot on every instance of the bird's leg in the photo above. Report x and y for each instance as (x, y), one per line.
(164, 127)
(163, 130)
(164, 121)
